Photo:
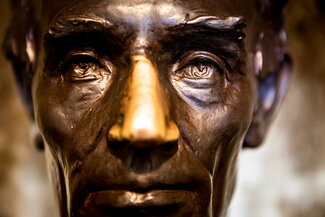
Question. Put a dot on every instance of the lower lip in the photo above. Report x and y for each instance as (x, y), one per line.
(129, 199)
(153, 202)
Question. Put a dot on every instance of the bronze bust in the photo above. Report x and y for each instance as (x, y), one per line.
(143, 106)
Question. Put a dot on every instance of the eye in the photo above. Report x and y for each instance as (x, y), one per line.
(85, 66)
(200, 66)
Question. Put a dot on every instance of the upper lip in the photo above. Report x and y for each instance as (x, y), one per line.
(145, 189)
(143, 184)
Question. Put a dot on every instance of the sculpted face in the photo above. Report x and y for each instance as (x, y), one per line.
(143, 106)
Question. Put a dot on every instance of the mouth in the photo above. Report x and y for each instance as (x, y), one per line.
(129, 203)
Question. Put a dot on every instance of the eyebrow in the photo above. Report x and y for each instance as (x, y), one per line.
(70, 25)
(217, 23)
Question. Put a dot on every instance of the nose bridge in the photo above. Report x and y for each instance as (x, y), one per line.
(145, 108)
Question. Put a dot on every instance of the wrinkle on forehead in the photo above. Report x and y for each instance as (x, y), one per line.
(148, 13)
(133, 10)
(163, 12)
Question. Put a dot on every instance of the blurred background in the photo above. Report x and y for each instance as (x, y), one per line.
(283, 178)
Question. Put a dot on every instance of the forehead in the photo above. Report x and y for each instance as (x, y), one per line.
(145, 10)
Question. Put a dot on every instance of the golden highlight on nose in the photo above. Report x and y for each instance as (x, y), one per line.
(144, 116)
(145, 111)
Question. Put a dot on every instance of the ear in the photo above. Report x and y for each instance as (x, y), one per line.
(272, 67)
(272, 90)
(20, 46)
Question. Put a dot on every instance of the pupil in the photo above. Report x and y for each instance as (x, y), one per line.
(83, 66)
(202, 68)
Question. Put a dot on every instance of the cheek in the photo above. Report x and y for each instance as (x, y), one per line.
(215, 133)
(213, 136)
(60, 107)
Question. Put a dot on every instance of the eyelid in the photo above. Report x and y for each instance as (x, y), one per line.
(102, 62)
(81, 53)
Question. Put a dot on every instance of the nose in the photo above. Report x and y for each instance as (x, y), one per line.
(146, 117)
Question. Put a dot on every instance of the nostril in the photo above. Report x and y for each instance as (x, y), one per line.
(169, 147)
(117, 145)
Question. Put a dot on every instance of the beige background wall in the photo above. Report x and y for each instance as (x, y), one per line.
(285, 177)
(24, 188)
